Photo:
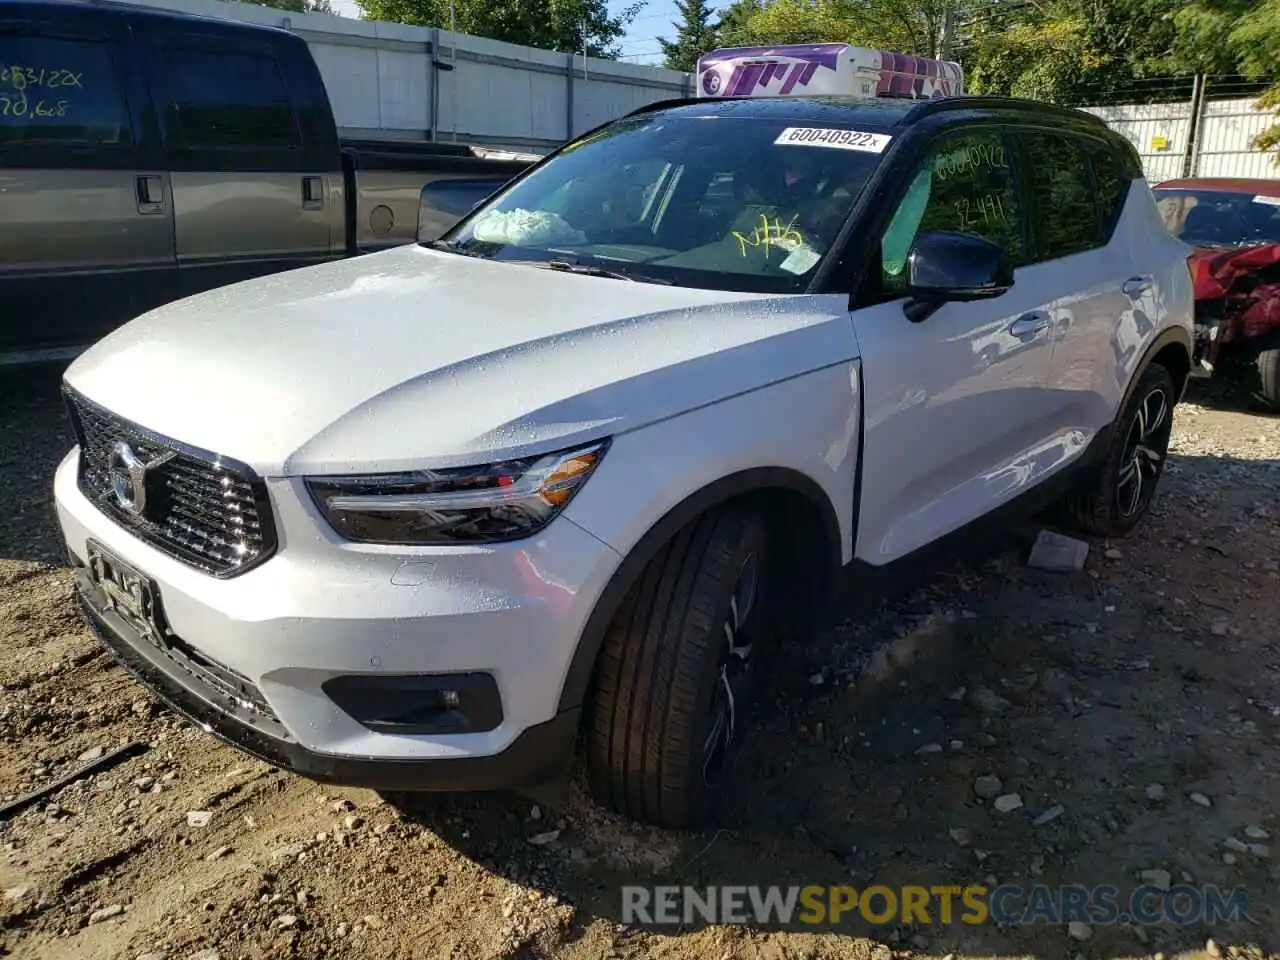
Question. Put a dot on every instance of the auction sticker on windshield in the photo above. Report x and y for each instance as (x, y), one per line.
(835, 139)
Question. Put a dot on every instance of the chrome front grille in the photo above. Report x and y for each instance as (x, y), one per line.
(207, 511)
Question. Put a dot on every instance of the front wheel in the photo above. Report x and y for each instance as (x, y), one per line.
(671, 691)
(1120, 495)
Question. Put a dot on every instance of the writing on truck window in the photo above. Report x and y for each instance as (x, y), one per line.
(969, 158)
(769, 234)
(36, 92)
(965, 186)
(58, 90)
(980, 211)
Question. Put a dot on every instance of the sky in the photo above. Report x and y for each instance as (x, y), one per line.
(640, 45)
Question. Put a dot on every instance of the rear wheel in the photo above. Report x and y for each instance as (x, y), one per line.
(1269, 375)
(1118, 497)
(671, 692)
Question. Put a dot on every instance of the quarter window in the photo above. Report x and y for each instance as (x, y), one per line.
(965, 185)
(56, 91)
(1067, 218)
(228, 100)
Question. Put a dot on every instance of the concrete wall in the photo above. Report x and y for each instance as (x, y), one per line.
(392, 80)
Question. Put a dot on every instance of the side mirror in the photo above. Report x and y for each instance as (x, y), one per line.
(946, 266)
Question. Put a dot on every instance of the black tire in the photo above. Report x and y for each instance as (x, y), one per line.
(666, 671)
(1269, 377)
(1106, 506)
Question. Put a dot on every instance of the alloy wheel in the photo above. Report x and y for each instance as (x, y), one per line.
(1144, 453)
(729, 695)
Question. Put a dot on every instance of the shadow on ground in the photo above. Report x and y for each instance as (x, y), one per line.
(1090, 697)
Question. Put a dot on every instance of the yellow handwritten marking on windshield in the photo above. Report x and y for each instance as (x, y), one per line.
(769, 235)
(19, 106)
(22, 77)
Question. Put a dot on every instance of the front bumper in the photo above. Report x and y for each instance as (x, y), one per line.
(536, 757)
(322, 610)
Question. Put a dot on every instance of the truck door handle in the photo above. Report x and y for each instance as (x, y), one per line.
(1030, 325)
(312, 193)
(1135, 287)
(149, 192)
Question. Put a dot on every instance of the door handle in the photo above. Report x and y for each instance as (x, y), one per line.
(312, 193)
(1135, 287)
(149, 192)
(1029, 325)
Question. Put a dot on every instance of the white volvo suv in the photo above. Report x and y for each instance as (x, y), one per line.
(427, 518)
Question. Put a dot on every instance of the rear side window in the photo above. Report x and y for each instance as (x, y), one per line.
(226, 100)
(1067, 219)
(1112, 186)
(56, 91)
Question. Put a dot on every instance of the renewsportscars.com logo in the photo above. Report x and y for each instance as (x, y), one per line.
(816, 906)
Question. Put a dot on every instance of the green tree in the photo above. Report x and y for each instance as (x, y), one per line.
(731, 29)
(297, 6)
(695, 35)
(1247, 32)
(568, 25)
(906, 26)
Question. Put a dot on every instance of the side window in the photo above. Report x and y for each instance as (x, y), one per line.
(57, 91)
(965, 184)
(1067, 218)
(225, 100)
(444, 202)
(1112, 189)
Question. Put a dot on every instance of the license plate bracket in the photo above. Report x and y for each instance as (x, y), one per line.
(129, 594)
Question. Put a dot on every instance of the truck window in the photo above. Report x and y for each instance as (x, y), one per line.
(966, 184)
(58, 91)
(1064, 195)
(221, 100)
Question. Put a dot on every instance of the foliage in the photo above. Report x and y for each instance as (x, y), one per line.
(1247, 33)
(568, 25)
(695, 35)
(901, 25)
(297, 6)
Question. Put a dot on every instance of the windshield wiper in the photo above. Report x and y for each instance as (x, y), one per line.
(449, 246)
(591, 270)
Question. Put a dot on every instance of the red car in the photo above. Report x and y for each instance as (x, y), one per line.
(1235, 227)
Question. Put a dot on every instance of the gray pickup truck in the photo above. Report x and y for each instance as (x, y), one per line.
(148, 155)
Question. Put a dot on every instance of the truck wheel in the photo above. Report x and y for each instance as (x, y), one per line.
(1118, 497)
(671, 689)
(1269, 375)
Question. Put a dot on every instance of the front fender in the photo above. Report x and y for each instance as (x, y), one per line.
(800, 435)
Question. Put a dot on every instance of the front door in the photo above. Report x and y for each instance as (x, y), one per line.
(86, 225)
(956, 413)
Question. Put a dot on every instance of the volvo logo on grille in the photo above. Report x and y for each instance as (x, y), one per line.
(128, 474)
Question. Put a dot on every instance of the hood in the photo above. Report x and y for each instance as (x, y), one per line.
(413, 356)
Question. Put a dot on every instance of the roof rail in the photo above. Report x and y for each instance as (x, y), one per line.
(927, 108)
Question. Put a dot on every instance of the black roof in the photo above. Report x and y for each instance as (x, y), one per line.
(879, 113)
(137, 10)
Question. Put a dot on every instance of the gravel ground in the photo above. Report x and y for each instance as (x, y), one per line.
(1134, 708)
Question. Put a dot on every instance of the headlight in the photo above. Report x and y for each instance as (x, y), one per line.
(486, 504)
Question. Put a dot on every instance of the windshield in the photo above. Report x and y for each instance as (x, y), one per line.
(701, 202)
(1218, 218)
